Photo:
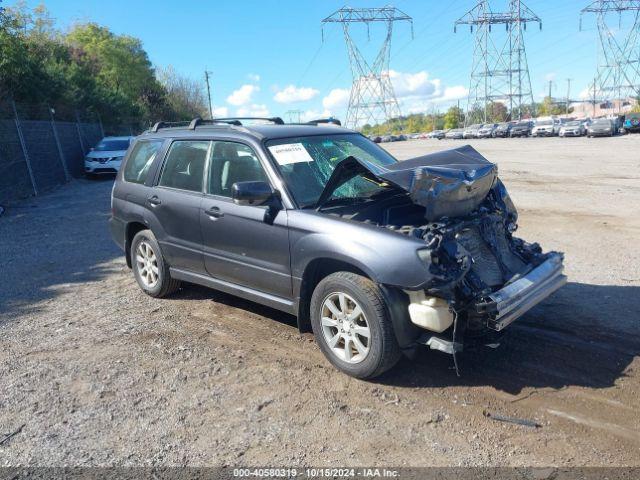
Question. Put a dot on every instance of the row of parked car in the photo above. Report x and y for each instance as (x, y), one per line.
(541, 127)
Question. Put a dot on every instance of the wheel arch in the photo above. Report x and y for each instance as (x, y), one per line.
(131, 230)
(316, 270)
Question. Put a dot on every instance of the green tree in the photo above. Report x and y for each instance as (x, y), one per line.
(453, 117)
(185, 97)
(549, 107)
(497, 112)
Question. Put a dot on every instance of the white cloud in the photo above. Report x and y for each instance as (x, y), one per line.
(413, 84)
(337, 98)
(291, 94)
(419, 86)
(418, 93)
(314, 115)
(254, 77)
(253, 110)
(220, 112)
(242, 96)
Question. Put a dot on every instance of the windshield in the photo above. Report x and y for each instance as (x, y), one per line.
(602, 121)
(306, 163)
(544, 122)
(573, 124)
(112, 145)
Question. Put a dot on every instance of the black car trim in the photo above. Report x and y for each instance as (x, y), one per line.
(279, 303)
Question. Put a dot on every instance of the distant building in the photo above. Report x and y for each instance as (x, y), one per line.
(601, 109)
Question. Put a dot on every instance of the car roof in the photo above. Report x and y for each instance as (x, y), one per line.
(257, 131)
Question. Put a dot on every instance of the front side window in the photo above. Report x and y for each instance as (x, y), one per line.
(233, 162)
(306, 163)
(184, 167)
(140, 160)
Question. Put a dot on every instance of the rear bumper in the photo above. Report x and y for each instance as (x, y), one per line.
(512, 301)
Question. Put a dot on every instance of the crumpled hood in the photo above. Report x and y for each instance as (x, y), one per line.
(450, 183)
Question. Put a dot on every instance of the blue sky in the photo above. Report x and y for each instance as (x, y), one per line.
(268, 57)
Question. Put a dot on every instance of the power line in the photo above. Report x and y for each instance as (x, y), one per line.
(618, 73)
(372, 99)
(499, 72)
(294, 116)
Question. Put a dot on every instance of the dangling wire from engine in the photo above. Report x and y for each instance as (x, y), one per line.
(455, 349)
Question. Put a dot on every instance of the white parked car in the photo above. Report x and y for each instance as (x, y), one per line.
(106, 156)
(546, 127)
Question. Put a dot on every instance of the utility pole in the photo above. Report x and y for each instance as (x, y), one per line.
(206, 77)
(568, 95)
(372, 100)
(550, 85)
(499, 71)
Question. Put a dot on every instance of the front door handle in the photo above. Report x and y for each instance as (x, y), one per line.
(154, 201)
(214, 212)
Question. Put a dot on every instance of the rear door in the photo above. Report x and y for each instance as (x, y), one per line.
(239, 245)
(175, 202)
(133, 186)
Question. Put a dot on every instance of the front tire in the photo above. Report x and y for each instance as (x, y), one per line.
(149, 266)
(351, 325)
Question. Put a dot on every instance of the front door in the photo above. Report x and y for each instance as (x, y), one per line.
(239, 245)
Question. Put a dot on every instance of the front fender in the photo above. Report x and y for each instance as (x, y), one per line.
(387, 257)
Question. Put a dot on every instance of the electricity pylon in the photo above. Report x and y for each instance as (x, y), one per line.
(618, 73)
(372, 100)
(499, 71)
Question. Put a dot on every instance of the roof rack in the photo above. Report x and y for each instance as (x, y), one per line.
(160, 125)
(331, 120)
(235, 121)
(275, 120)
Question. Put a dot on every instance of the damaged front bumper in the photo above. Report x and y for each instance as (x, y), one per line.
(514, 300)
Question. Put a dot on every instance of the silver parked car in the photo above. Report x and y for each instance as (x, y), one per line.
(486, 131)
(601, 127)
(574, 128)
(471, 131)
(455, 134)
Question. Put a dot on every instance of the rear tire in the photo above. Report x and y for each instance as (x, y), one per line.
(352, 327)
(149, 266)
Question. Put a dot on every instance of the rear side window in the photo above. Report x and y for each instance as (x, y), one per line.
(184, 166)
(140, 160)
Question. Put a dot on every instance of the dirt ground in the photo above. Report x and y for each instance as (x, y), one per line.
(93, 372)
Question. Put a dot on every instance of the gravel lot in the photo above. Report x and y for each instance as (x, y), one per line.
(96, 373)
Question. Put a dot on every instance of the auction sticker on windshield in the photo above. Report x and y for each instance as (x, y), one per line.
(290, 153)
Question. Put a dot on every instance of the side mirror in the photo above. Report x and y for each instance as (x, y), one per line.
(251, 193)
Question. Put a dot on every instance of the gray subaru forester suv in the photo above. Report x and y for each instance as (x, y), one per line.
(372, 255)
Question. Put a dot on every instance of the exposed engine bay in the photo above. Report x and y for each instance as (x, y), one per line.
(455, 202)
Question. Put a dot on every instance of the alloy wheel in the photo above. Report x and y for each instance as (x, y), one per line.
(345, 327)
(147, 263)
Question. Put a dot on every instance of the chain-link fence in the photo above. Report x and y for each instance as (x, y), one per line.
(43, 146)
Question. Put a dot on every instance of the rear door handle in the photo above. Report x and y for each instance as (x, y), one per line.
(154, 201)
(214, 212)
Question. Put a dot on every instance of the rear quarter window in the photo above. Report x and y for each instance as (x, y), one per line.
(140, 161)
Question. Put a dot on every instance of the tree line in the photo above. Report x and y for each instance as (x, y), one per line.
(454, 117)
(91, 69)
